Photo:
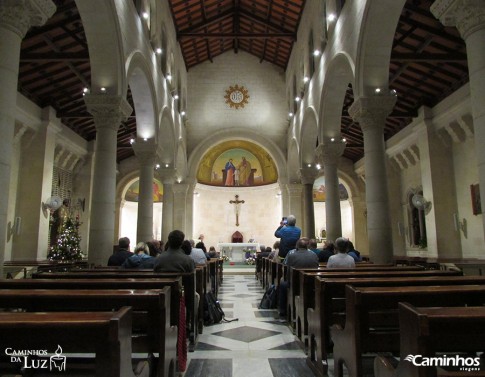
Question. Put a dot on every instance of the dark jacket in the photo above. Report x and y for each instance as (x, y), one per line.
(139, 261)
(119, 257)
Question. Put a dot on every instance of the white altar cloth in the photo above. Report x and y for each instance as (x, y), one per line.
(235, 250)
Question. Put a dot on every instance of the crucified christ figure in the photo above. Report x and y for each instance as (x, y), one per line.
(237, 204)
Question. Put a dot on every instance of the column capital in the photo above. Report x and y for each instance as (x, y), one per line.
(308, 175)
(329, 152)
(146, 152)
(108, 111)
(167, 175)
(467, 15)
(20, 15)
(372, 111)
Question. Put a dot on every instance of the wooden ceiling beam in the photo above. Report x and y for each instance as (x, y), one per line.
(54, 57)
(290, 36)
(427, 57)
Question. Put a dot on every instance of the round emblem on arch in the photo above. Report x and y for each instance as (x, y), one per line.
(237, 96)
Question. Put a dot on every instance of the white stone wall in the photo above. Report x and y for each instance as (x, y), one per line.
(208, 111)
(215, 217)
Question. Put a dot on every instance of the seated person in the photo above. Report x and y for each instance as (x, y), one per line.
(174, 259)
(196, 254)
(274, 252)
(122, 254)
(300, 258)
(212, 252)
(354, 253)
(140, 259)
(341, 259)
(327, 252)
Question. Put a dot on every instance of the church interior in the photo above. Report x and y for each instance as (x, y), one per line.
(132, 118)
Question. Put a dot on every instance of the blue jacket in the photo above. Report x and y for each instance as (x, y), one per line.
(288, 235)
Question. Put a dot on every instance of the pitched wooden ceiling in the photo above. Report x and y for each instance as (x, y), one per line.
(428, 61)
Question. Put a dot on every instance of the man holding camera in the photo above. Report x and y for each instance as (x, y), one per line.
(289, 234)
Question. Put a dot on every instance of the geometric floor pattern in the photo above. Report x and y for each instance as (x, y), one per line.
(256, 345)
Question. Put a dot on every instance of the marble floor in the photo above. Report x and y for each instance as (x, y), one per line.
(254, 345)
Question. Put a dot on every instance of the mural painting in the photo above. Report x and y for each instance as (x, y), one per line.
(134, 190)
(319, 193)
(237, 164)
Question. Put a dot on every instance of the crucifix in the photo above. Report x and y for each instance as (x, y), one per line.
(237, 204)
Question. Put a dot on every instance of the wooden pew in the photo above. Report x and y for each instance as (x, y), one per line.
(188, 281)
(107, 334)
(426, 331)
(152, 332)
(329, 306)
(175, 284)
(301, 280)
(372, 323)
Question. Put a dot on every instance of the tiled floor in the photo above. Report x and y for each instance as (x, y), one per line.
(255, 345)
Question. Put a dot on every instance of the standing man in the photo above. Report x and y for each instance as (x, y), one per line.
(289, 233)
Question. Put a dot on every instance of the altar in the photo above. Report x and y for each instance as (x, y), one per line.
(235, 250)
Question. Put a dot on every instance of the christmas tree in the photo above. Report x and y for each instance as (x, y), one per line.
(67, 248)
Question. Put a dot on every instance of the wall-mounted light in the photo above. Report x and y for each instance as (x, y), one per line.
(103, 89)
(297, 99)
(158, 51)
(85, 91)
(332, 139)
(175, 95)
(145, 15)
(182, 113)
(157, 166)
(132, 141)
(306, 79)
(316, 53)
(167, 165)
(169, 77)
(377, 90)
(344, 140)
(460, 225)
(318, 166)
(290, 114)
(145, 139)
(331, 17)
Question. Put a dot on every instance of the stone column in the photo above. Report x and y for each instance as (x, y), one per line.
(308, 176)
(189, 209)
(285, 207)
(16, 17)
(180, 207)
(328, 155)
(294, 202)
(167, 176)
(108, 112)
(469, 18)
(145, 152)
(371, 113)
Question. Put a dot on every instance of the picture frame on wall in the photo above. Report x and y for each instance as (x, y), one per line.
(476, 201)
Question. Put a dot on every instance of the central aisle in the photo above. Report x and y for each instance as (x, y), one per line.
(256, 345)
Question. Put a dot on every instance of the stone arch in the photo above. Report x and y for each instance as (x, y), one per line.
(308, 137)
(232, 134)
(340, 73)
(181, 161)
(166, 138)
(376, 38)
(105, 43)
(293, 161)
(144, 97)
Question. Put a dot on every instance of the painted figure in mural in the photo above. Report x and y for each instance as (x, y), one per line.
(244, 172)
(229, 168)
(58, 219)
(236, 177)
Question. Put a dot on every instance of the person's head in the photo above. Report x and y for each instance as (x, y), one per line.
(141, 248)
(186, 247)
(268, 249)
(201, 238)
(124, 243)
(351, 245)
(291, 220)
(276, 245)
(342, 244)
(262, 248)
(192, 243)
(152, 249)
(302, 243)
(312, 244)
(175, 239)
(199, 245)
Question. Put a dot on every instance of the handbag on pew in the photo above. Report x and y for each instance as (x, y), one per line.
(213, 312)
